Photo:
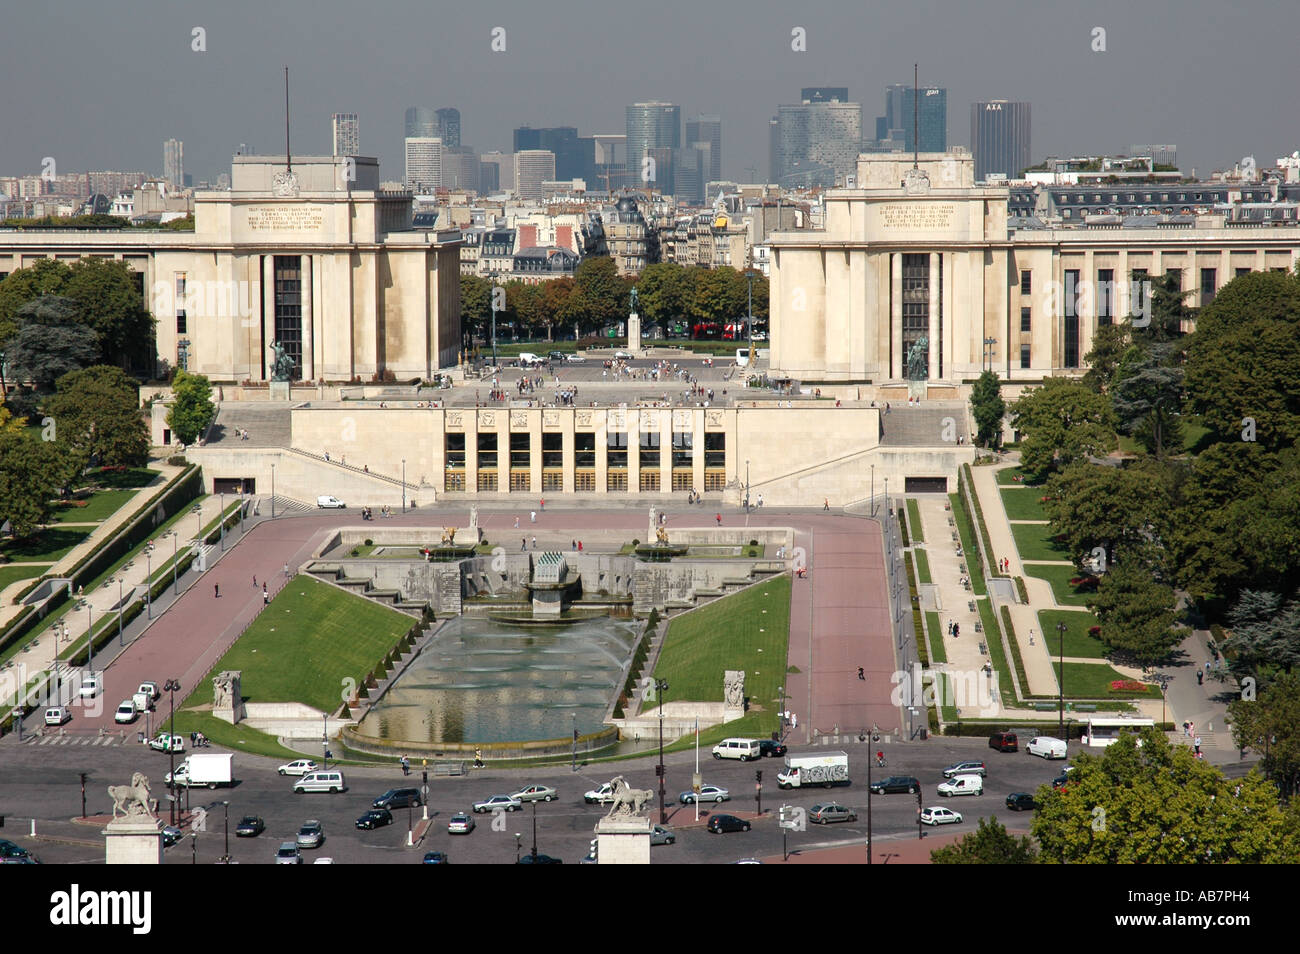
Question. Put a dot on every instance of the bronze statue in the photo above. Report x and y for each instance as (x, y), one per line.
(918, 357)
(282, 367)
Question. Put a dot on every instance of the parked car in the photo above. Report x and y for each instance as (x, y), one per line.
(938, 815)
(536, 793)
(288, 854)
(575, 358)
(250, 826)
(297, 767)
(330, 502)
(1004, 741)
(436, 858)
(126, 713)
(531, 859)
(830, 813)
(506, 803)
(708, 793)
(660, 835)
(746, 750)
(1061, 780)
(171, 834)
(720, 824)
(12, 854)
(1021, 802)
(896, 783)
(166, 743)
(970, 767)
(603, 794)
(57, 715)
(92, 683)
(768, 747)
(398, 798)
(556, 355)
(962, 785)
(311, 834)
(460, 823)
(151, 690)
(375, 818)
(622, 356)
(1047, 747)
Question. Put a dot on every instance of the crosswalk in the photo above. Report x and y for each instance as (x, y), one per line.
(74, 740)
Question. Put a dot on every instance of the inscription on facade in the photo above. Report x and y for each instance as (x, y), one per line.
(924, 216)
(285, 218)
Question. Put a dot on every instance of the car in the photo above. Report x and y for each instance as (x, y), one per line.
(760, 335)
(12, 854)
(1061, 780)
(126, 713)
(171, 834)
(311, 834)
(398, 798)
(529, 360)
(330, 502)
(962, 785)
(659, 835)
(297, 767)
(1004, 741)
(536, 793)
(323, 861)
(436, 858)
(166, 743)
(896, 783)
(575, 358)
(1021, 802)
(91, 685)
(460, 823)
(603, 794)
(57, 715)
(1047, 747)
(250, 826)
(708, 793)
(288, 854)
(831, 812)
(506, 803)
(938, 815)
(375, 818)
(970, 767)
(721, 824)
(555, 355)
(151, 690)
(623, 355)
(531, 859)
(769, 747)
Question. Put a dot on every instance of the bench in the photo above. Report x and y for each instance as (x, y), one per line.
(1044, 706)
(1085, 707)
(984, 650)
(970, 606)
(979, 627)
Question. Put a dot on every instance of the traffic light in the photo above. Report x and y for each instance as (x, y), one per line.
(758, 776)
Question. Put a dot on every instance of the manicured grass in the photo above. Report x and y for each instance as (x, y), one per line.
(99, 506)
(922, 566)
(1077, 640)
(914, 522)
(1023, 504)
(46, 546)
(701, 645)
(310, 639)
(992, 638)
(1008, 475)
(238, 738)
(1090, 681)
(12, 574)
(1034, 541)
(967, 531)
(935, 632)
(132, 477)
(1060, 577)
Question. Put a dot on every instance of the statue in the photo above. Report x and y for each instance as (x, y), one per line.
(473, 517)
(223, 696)
(662, 535)
(628, 801)
(733, 687)
(133, 799)
(918, 358)
(283, 366)
(448, 536)
(633, 304)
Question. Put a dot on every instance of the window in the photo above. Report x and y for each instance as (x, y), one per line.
(682, 449)
(649, 452)
(552, 452)
(520, 450)
(584, 449)
(1024, 355)
(487, 451)
(1026, 282)
(288, 308)
(180, 304)
(1105, 295)
(1177, 273)
(715, 450)
(1024, 320)
(1070, 331)
(616, 453)
(1238, 272)
(1209, 278)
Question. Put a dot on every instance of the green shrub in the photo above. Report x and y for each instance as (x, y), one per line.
(753, 543)
(1021, 590)
(369, 542)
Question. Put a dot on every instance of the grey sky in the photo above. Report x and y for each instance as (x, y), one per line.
(100, 85)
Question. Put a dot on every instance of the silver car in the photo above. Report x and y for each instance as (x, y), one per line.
(536, 793)
(311, 834)
(708, 793)
(288, 854)
(971, 767)
(507, 803)
(661, 836)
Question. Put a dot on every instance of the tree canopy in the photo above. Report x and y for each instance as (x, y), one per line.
(192, 409)
(1062, 422)
(96, 413)
(989, 844)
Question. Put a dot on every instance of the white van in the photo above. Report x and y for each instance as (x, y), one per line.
(143, 701)
(330, 781)
(1047, 747)
(57, 715)
(744, 749)
(328, 502)
(962, 785)
(528, 360)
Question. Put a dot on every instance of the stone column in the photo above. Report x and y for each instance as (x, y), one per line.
(633, 450)
(308, 323)
(268, 320)
(568, 421)
(896, 356)
(600, 420)
(934, 317)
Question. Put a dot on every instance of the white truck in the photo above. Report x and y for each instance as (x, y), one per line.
(210, 769)
(814, 768)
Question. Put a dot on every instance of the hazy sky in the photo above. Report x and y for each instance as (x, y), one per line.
(100, 85)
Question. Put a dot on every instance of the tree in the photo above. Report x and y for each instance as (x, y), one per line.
(661, 292)
(1137, 613)
(604, 293)
(97, 412)
(111, 305)
(1108, 346)
(475, 303)
(1146, 394)
(1157, 804)
(1270, 724)
(1123, 510)
(1264, 634)
(1063, 421)
(192, 409)
(988, 409)
(719, 295)
(31, 473)
(989, 844)
(555, 310)
(50, 342)
(46, 276)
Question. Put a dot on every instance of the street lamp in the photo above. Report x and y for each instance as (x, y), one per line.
(518, 835)
(225, 859)
(222, 518)
(90, 638)
(120, 598)
(1164, 695)
(272, 490)
(990, 352)
(1060, 680)
(873, 490)
(574, 762)
(148, 580)
(534, 830)
(170, 688)
(746, 485)
(176, 589)
(403, 485)
(494, 329)
(661, 686)
(325, 740)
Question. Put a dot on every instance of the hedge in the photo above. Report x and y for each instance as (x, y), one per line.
(979, 515)
(1021, 590)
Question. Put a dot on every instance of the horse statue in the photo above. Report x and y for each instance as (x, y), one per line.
(133, 799)
(628, 800)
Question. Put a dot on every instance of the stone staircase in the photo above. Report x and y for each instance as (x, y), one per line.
(268, 424)
(922, 426)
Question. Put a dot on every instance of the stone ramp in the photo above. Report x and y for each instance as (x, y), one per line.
(267, 422)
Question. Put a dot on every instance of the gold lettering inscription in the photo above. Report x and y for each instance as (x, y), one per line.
(923, 215)
(285, 218)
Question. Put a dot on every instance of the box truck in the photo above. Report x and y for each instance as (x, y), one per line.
(814, 768)
(210, 769)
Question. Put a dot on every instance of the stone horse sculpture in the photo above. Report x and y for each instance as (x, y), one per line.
(628, 801)
(133, 799)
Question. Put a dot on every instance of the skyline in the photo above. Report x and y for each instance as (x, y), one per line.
(231, 93)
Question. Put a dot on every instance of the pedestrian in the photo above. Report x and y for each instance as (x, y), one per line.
(1207, 667)
(286, 571)
(532, 516)
(542, 508)
(266, 597)
(826, 503)
(478, 757)
(956, 630)
(579, 546)
(193, 737)
(861, 674)
(534, 543)
(1200, 678)
(1185, 725)
(718, 517)
(573, 544)
(760, 500)
(949, 627)
(794, 721)
(327, 457)
(406, 765)
(216, 590)
(523, 544)
(516, 523)
(1197, 743)
(254, 581)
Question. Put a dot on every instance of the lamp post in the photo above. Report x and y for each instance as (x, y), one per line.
(325, 741)
(990, 351)
(120, 597)
(749, 274)
(83, 794)
(518, 835)
(746, 485)
(170, 688)
(494, 329)
(225, 859)
(661, 686)
(873, 490)
(176, 590)
(403, 485)
(534, 831)
(148, 581)
(573, 765)
(222, 518)
(1164, 695)
(90, 638)
(1060, 680)
(272, 490)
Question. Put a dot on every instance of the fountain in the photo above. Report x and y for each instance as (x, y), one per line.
(661, 551)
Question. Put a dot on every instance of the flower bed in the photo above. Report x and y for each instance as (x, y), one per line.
(1127, 685)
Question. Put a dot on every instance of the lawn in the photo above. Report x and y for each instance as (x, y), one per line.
(914, 522)
(12, 574)
(1077, 640)
(1022, 504)
(127, 477)
(99, 506)
(46, 546)
(1060, 577)
(935, 631)
(749, 630)
(310, 639)
(1008, 475)
(922, 566)
(1034, 542)
(1091, 681)
(238, 738)
(967, 530)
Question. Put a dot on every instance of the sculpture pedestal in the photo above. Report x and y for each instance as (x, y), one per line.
(918, 389)
(634, 333)
(133, 840)
(279, 390)
(623, 841)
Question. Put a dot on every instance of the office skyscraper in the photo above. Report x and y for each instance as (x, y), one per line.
(448, 119)
(817, 144)
(346, 128)
(174, 163)
(423, 163)
(421, 123)
(656, 126)
(532, 168)
(931, 117)
(999, 138)
(707, 129)
(575, 156)
(824, 94)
